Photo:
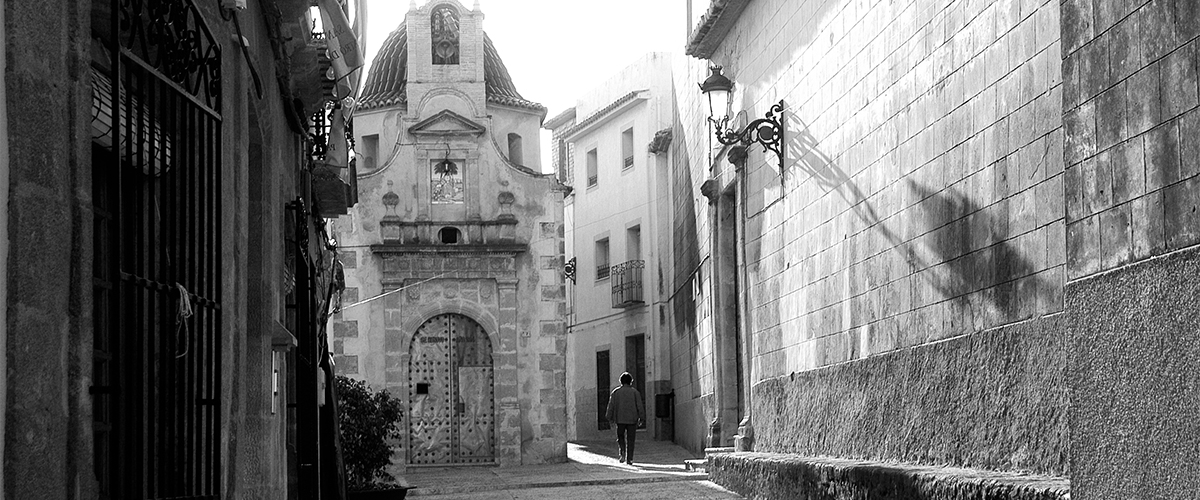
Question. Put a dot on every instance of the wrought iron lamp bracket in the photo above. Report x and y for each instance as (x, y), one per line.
(767, 132)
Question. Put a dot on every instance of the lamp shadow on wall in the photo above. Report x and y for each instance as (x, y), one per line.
(934, 235)
(685, 262)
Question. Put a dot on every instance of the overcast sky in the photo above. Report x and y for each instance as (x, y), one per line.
(557, 49)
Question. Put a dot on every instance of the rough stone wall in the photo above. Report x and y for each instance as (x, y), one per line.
(995, 400)
(1133, 131)
(263, 174)
(49, 418)
(47, 414)
(1134, 401)
(787, 477)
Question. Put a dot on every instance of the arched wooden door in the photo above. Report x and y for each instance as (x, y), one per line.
(450, 393)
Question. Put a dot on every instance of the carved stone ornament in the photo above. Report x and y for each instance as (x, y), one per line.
(710, 189)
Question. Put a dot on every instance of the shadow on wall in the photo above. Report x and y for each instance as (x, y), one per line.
(959, 251)
(685, 262)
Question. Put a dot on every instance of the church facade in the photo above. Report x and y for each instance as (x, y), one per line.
(453, 258)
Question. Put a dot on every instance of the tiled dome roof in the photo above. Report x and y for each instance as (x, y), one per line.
(389, 75)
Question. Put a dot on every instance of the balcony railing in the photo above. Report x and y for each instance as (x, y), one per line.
(626, 281)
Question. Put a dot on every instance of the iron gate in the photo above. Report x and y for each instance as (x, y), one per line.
(450, 395)
(156, 133)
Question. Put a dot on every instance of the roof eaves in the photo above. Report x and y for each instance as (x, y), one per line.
(603, 112)
(560, 119)
(714, 26)
(515, 102)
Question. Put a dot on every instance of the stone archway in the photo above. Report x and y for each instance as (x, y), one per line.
(451, 393)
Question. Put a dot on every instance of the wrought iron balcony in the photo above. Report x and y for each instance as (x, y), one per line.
(626, 279)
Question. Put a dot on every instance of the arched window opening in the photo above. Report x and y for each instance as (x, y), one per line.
(444, 27)
(449, 235)
(514, 149)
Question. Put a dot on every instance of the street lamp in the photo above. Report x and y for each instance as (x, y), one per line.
(767, 131)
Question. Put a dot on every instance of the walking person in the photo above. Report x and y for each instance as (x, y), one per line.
(627, 411)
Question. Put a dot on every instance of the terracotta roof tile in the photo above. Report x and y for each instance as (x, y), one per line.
(389, 76)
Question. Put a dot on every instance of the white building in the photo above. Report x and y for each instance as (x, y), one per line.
(614, 216)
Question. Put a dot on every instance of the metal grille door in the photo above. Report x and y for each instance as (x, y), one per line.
(156, 133)
(452, 415)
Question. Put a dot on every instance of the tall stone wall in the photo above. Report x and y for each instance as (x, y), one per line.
(922, 193)
(919, 213)
(47, 413)
(1133, 131)
(1130, 91)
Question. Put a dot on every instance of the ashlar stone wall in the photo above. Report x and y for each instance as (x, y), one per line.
(920, 204)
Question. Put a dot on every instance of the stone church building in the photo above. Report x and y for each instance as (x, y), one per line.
(453, 257)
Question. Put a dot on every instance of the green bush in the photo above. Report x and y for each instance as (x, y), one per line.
(367, 419)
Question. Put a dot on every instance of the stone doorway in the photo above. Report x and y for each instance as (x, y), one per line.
(451, 393)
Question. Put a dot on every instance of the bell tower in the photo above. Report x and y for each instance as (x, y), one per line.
(446, 47)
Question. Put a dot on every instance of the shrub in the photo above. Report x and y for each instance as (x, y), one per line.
(367, 420)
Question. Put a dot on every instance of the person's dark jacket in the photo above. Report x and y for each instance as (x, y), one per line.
(625, 406)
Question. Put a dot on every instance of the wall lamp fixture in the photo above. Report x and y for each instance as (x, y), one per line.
(767, 131)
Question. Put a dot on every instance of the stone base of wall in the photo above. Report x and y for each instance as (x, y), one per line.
(996, 399)
(780, 476)
(1135, 383)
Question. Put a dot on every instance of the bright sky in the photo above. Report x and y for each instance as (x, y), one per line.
(556, 50)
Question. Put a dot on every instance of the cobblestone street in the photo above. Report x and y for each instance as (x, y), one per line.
(591, 472)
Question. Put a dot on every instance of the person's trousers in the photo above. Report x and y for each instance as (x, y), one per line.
(626, 436)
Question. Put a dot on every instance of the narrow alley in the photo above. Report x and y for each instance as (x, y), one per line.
(461, 249)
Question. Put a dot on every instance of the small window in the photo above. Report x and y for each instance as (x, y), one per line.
(449, 235)
(514, 149)
(422, 388)
(602, 265)
(627, 148)
(592, 165)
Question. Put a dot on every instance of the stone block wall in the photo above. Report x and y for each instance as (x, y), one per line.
(921, 200)
(922, 191)
(1130, 94)
(1133, 130)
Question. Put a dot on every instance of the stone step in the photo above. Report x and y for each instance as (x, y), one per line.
(772, 475)
(711, 452)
